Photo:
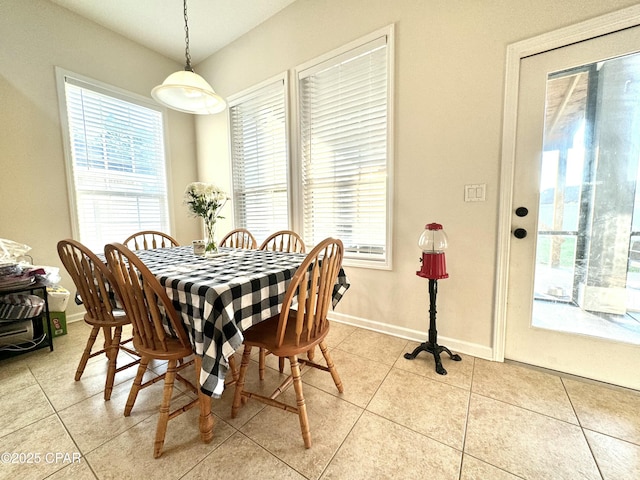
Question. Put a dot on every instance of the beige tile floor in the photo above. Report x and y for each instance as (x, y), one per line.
(396, 419)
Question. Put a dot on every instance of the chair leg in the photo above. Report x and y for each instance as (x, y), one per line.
(112, 355)
(237, 397)
(302, 407)
(135, 388)
(331, 367)
(163, 418)
(234, 368)
(87, 352)
(106, 333)
(205, 422)
(261, 363)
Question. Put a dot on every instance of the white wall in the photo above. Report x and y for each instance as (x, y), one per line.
(449, 75)
(37, 36)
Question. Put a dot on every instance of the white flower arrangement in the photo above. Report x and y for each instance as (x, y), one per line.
(206, 200)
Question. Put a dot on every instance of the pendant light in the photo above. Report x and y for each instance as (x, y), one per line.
(185, 90)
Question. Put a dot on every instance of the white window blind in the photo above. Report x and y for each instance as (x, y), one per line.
(259, 160)
(343, 115)
(117, 164)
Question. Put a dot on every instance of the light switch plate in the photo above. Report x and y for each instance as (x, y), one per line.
(475, 192)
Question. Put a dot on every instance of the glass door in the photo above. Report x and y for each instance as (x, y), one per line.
(587, 274)
(573, 295)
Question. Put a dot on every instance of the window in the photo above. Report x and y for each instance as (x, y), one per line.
(115, 161)
(259, 154)
(345, 152)
(342, 168)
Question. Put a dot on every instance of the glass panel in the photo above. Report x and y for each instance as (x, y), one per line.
(588, 245)
(555, 267)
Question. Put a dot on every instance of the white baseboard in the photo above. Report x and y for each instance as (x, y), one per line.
(76, 317)
(456, 346)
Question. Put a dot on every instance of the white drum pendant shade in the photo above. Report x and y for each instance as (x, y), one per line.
(188, 92)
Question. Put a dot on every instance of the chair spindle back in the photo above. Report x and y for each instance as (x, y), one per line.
(284, 241)
(92, 278)
(239, 238)
(145, 300)
(148, 239)
(311, 288)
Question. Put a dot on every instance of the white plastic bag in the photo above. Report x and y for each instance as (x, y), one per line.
(51, 275)
(10, 251)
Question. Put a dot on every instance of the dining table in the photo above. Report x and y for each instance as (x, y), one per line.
(220, 296)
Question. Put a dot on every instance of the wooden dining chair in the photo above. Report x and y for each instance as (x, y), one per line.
(281, 241)
(296, 331)
(239, 238)
(96, 289)
(148, 239)
(146, 303)
(284, 241)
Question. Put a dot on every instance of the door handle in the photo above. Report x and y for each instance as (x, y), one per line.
(520, 233)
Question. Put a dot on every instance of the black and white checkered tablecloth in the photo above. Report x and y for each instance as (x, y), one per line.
(218, 298)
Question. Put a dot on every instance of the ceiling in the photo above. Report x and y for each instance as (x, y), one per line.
(159, 24)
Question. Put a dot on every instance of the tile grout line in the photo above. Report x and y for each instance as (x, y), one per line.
(189, 470)
(527, 409)
(393, 366)
(466, 423)
(73, 440)
(535, 413)
(96, 394)
(320, 389)
(582, 429)
(273, 455)
(465, 454)
(494, 466)
(364, 409)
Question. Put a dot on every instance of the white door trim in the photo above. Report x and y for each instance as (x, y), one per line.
(605, 24)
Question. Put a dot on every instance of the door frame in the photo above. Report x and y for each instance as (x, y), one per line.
(605, 24)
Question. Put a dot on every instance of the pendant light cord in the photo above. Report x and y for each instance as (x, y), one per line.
(185, 90)
(186, 38)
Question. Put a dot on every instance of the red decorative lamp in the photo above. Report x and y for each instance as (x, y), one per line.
(433, 243)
